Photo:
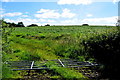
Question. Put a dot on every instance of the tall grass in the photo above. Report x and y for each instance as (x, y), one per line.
(46, 43)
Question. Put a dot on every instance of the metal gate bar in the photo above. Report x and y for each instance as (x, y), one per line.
(30, 65)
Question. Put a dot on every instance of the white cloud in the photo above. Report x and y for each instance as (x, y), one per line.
(28, 21)
(42, 20)
(75, 2)
(9, 20)
(12, 14)
(45, 10)
(47, 13)
(67, 14)
(50, 21)
(114, 1)
(7, 0)
(25, 16)
(89, 15)
(101, 21)
(70, 22)
(25, 21)
(90, 21)
(73, 21)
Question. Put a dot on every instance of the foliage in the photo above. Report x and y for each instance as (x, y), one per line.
(106, 51)
(32, 25)
(6, 32)
(6, 49)
(47, 25)
(20, 24)
(7, 73)
(85, 25)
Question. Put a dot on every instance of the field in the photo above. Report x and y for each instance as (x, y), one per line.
(57, 42)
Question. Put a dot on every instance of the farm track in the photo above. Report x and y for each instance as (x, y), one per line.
(44, 55)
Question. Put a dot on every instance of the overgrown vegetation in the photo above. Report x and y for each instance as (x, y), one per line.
(84, 43)
(106, 51)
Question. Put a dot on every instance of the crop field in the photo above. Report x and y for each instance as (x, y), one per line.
(44, 43)
(57, 42)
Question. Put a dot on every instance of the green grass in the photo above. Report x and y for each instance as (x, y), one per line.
(65, 72)
(55, 42)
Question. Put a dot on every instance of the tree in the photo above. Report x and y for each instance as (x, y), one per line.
(5, 24)
(32, 25)
(20, 24)
(47, 25)
(118, 23)
(85, 25)
(13, 25)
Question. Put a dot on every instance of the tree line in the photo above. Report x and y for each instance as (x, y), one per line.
(19, 24)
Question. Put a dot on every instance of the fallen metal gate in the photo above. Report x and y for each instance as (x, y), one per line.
(31, 65)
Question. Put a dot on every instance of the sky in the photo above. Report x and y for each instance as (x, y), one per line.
(60, 12)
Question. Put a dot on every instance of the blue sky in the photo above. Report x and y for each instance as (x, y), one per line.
(60, 12)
